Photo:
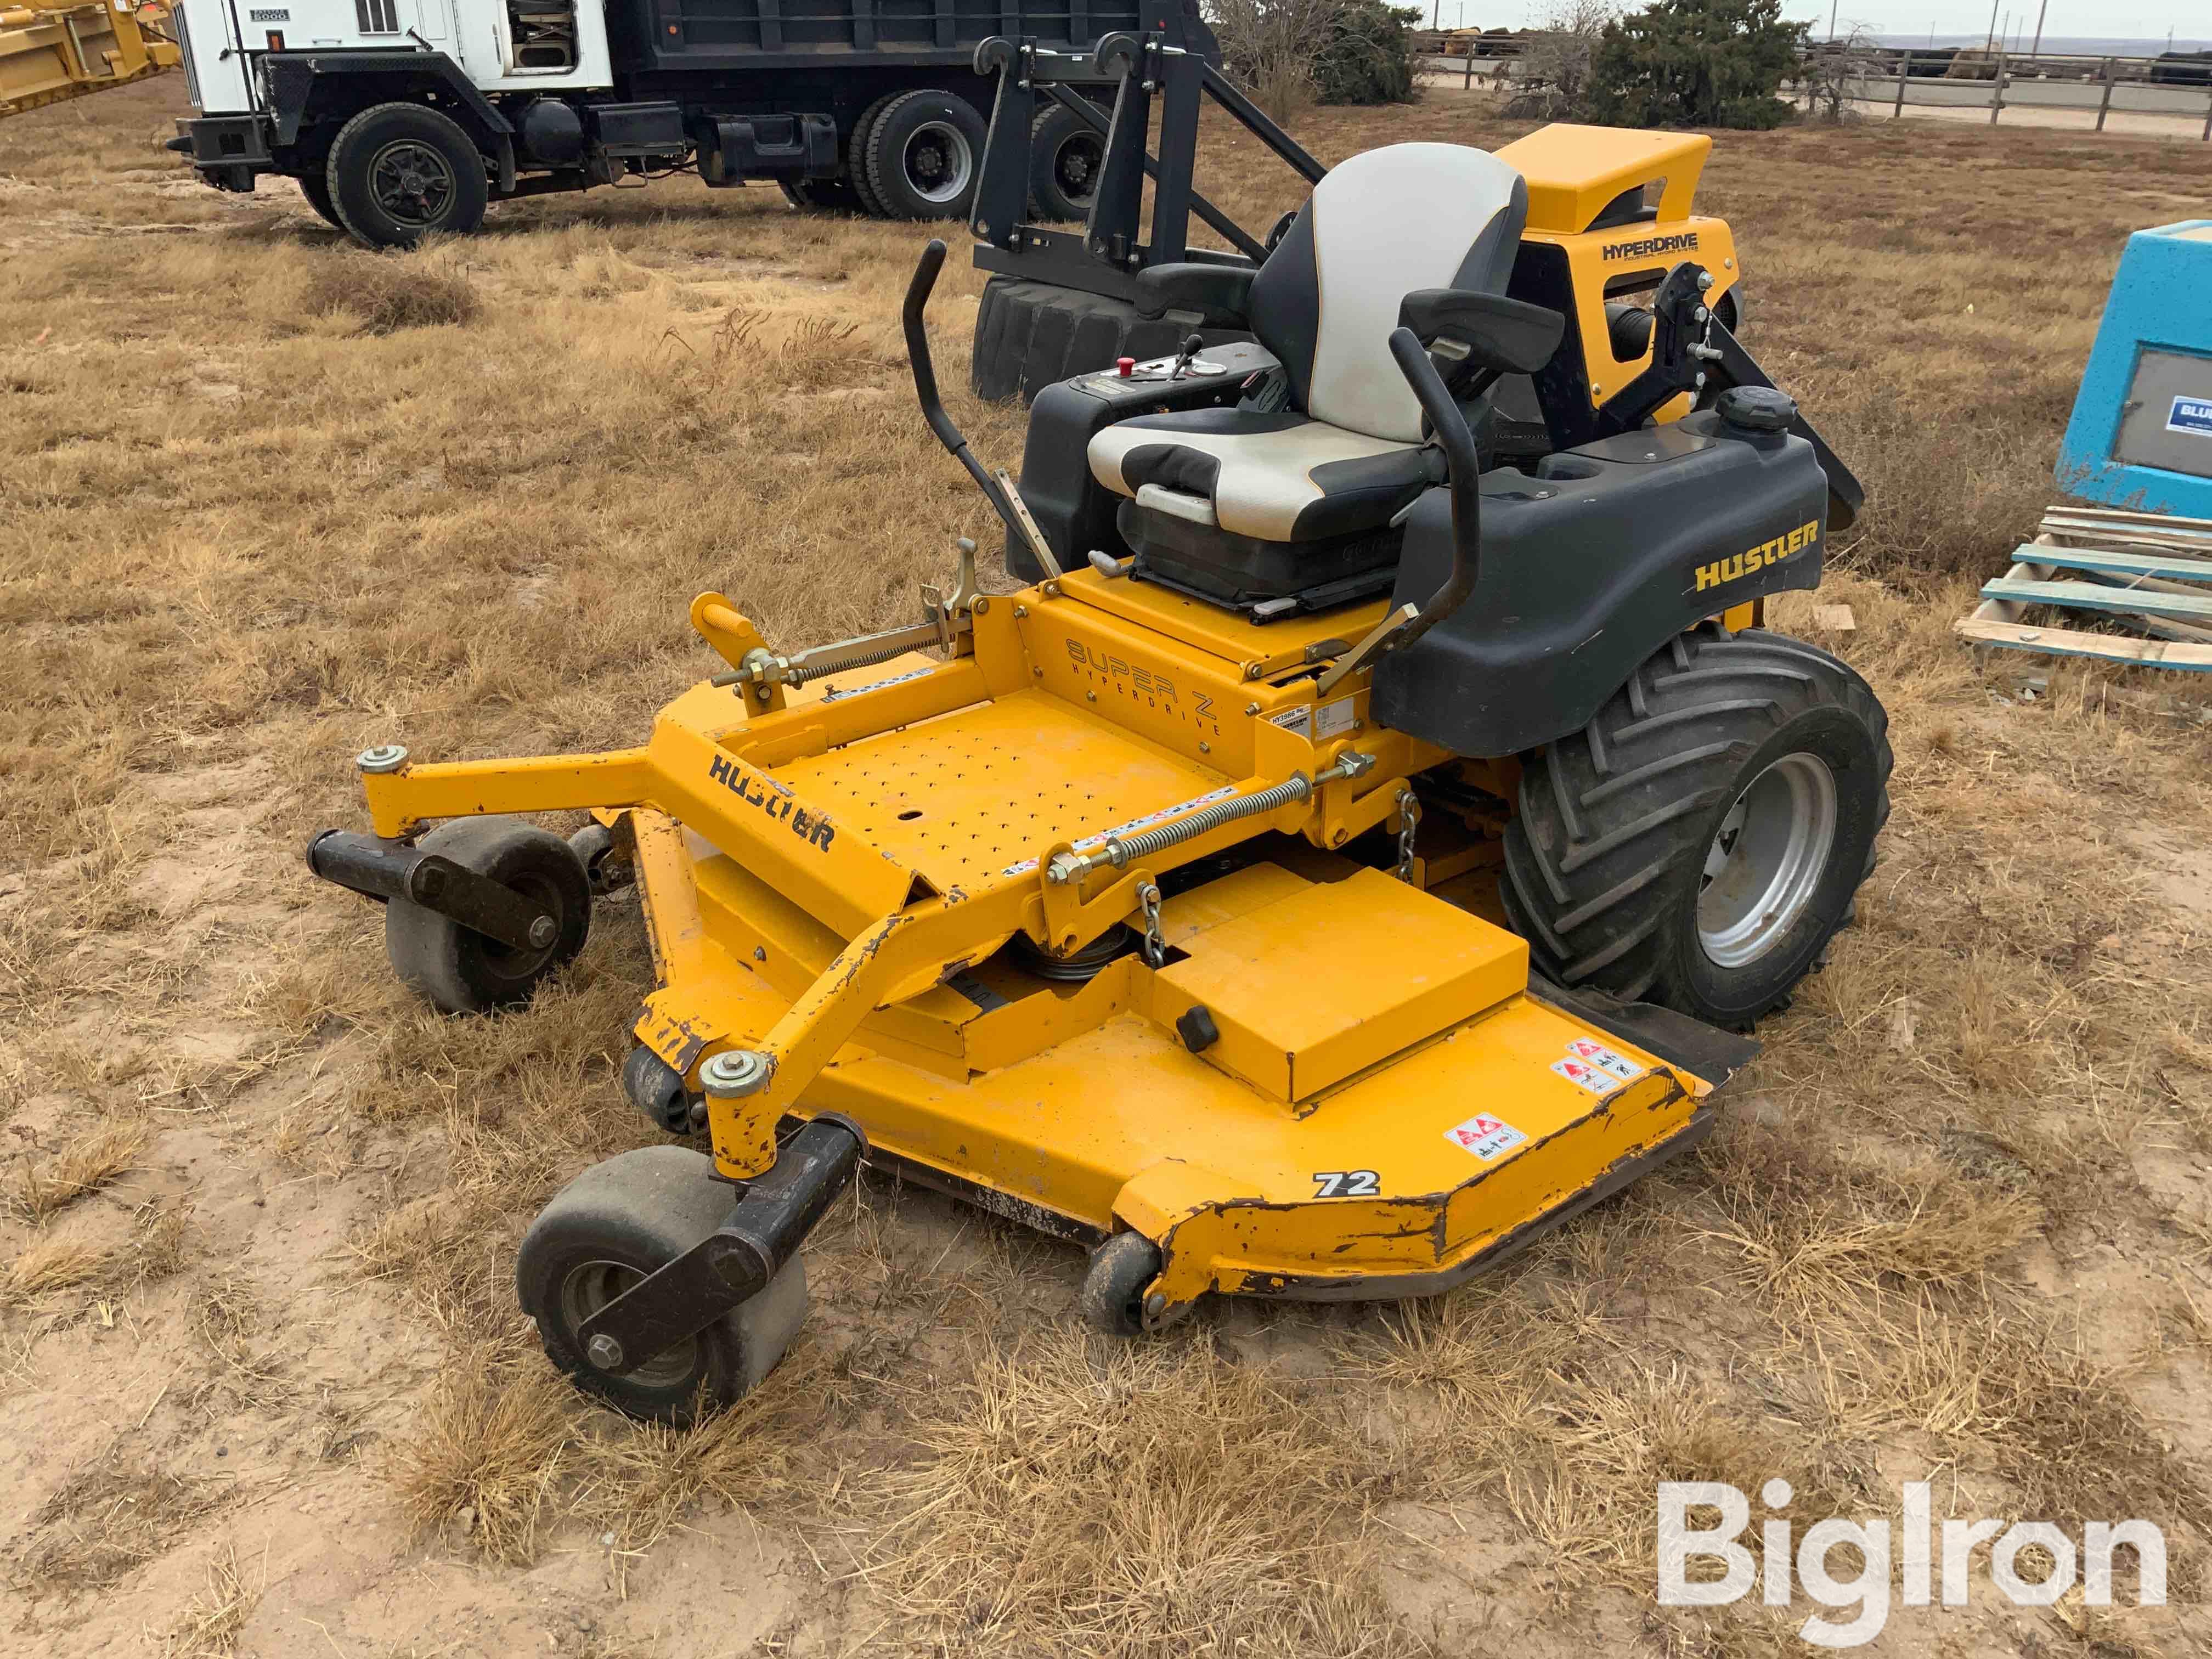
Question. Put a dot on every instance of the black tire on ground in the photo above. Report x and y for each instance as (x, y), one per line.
(822, 195)
(400, 172)
(1112, 1298)
(460, 970)
(609, 1228)
(856, 156)
(317, 189)
(1065, 156)
(1029, 335)
(924, 154)
(1699, 843)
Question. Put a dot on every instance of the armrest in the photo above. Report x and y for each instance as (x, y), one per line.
(1510, 336)
(1221, 293)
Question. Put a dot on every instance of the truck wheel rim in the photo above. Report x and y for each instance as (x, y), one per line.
(937, 161)
(1766, 860)
(589, 1287)
(412, 182)
(1075, 168)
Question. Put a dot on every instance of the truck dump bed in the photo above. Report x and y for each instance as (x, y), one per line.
(679, 34)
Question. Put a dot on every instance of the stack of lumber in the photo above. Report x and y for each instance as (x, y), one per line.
(2146, 577)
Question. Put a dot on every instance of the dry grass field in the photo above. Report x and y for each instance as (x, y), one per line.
(265, 499)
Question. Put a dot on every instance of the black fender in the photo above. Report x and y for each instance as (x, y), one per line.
(1589, 565)
(352, 80)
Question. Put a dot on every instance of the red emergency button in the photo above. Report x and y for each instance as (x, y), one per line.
(1122, 366)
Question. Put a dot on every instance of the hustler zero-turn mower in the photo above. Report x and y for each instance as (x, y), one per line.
(1154, 905)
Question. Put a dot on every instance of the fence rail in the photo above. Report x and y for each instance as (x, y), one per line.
(2175, 88)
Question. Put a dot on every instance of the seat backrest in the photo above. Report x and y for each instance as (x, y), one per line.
(1377, 227)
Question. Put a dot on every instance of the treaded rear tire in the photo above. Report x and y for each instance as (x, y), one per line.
(1604, 860)
(1055, 129)
(892, 125)
(856, 157)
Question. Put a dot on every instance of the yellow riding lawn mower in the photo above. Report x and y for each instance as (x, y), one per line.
(1156, 905)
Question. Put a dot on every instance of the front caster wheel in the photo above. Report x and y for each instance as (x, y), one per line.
(1113, 1297)
(459, 969)
(608, 1228)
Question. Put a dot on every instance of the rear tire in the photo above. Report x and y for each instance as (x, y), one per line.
(1700, 842)
(924, 153)
(822, 195)
(856, 157)
(610, 1227)
(317, 189)
(399, 172)
(1065, 156)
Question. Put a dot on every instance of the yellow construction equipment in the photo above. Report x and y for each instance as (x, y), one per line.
(48, 53)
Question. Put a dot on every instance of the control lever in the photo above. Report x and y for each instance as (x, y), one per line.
(1191, 347)
(932, 406)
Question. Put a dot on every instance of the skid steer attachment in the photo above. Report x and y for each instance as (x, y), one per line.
(1118, 907)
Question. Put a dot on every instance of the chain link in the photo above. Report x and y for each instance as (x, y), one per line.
(1156, 946)
(1409, 820)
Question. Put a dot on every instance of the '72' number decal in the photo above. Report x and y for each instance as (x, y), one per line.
(1346, 1183)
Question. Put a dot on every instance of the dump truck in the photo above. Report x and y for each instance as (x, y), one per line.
(50, 52)
(401, 118)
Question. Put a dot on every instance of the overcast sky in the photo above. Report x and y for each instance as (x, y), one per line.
(2142, 20)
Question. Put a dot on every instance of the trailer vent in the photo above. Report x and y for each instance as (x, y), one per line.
(378, 16)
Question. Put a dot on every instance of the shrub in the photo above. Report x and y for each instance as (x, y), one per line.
(1367, 56)
(1696, 64)
(392, 291)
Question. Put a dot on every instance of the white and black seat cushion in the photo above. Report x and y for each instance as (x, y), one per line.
(1377, 227)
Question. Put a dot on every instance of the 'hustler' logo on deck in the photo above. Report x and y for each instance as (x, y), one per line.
(815, 831)
(1758, 558)
(1686, 242)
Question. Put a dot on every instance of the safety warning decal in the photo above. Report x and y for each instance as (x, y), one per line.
(1332, 718)
(2191, 414)
(1483, 1136)
(1600, 1058)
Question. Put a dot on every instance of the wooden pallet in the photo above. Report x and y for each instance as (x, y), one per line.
(2147, 572)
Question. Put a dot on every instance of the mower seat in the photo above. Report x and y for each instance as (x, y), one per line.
(1292, 509)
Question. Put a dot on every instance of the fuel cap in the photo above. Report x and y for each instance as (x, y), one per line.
(1757, 408)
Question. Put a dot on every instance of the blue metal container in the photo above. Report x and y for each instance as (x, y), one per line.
(2141, 436)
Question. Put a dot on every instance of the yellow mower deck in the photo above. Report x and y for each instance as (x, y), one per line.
(828, 877)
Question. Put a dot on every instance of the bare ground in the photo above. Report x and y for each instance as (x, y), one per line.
(262, 1386)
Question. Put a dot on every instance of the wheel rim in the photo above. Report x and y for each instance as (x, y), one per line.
(1766, 860)
(516, 964)
(413, 182)
(937, 161)
(589, 1287)
(1075, 167)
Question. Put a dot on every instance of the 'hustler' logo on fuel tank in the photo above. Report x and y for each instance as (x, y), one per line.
(807, 826)
(1758, 558)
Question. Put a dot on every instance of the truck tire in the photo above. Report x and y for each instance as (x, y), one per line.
(317, 189)
(822, 195)
(924, 153)
(400, 172)
(1065, 156)
(1701, 840)
(856, 156)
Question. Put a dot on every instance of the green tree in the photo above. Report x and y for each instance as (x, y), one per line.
(1696, 64)
(1367, 56)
